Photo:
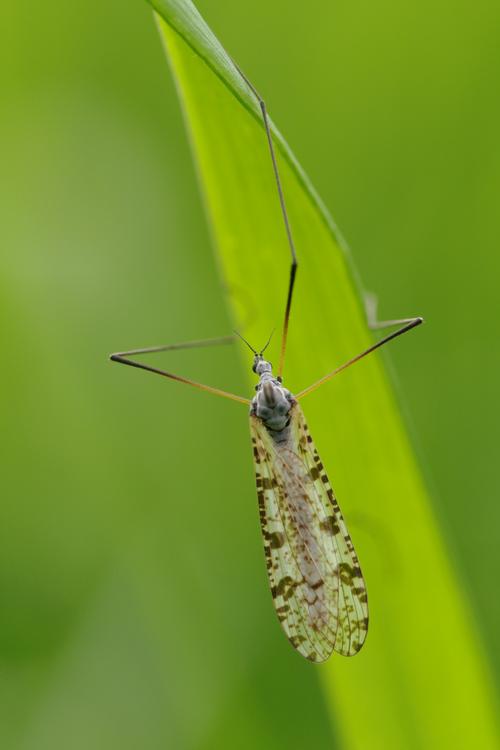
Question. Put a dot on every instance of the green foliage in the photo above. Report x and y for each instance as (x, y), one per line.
(421, 680)
(135, 611)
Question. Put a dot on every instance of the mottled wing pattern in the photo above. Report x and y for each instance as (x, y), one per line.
(316, 582)
(353, 601)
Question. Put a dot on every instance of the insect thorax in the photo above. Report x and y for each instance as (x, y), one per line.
(273, 401)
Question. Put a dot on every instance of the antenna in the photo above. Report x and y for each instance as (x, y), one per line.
(246, 342)
(268, 342)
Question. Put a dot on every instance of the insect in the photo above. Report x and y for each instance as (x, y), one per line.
(314, 573)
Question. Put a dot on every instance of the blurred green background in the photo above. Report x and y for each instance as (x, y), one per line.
(114, 569)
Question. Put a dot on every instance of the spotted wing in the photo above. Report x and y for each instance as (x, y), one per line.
(316, 583)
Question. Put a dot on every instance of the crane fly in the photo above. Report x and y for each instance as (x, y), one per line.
(317, 586)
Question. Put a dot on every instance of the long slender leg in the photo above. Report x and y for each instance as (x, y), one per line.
(294, 264)
(123, 358)
(371, 304)
(406, 325)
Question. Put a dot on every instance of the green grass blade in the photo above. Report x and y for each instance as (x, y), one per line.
(421, 680)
